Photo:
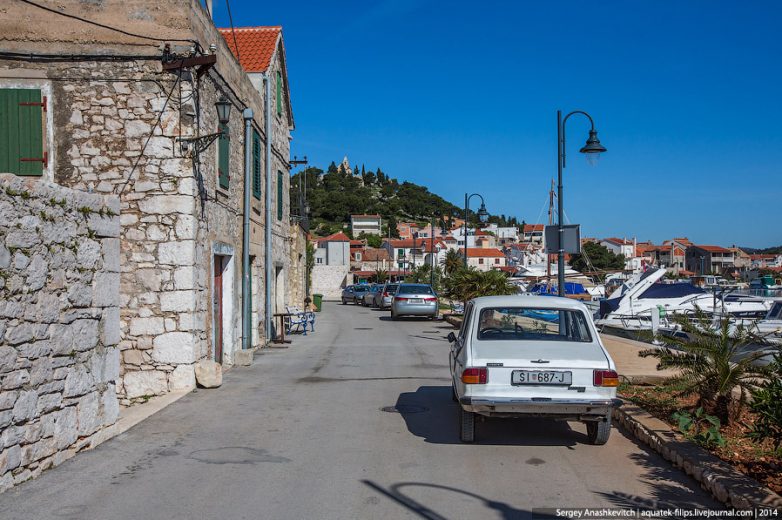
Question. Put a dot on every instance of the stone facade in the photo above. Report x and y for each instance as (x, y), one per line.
(113, 128)
(59, 323)
(329, 280)
(297, 285)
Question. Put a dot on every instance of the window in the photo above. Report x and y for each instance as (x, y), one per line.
(535, 324)
(256, 165)
(318, 260)
(496, 260)
(279, 195)
(279, 93)
(480, 260)
(21, 131)
(223, 156)
(358, 257)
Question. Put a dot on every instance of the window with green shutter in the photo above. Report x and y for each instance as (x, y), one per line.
(21, 131)
(279, 93)
(279, 195)
(256, 165)
(223, 156)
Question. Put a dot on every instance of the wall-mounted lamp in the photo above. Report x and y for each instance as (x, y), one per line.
(201, 143)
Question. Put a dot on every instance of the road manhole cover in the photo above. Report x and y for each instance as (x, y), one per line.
(404, 408)
(362, 328)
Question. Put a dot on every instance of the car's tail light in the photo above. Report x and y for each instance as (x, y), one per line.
(430, 299)
(605, 378)
(399, 299)
(385, 295)
(475, 376)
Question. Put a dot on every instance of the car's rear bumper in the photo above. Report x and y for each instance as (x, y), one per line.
(414, 310)
(580, 409)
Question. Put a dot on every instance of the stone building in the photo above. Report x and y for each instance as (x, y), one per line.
(118, 109)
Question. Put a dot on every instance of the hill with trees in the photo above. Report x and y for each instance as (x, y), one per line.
(337, 193)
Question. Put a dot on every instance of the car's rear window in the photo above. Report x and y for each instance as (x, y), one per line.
(391, 288)
(415, 289)
(532, 323)
(360, 288)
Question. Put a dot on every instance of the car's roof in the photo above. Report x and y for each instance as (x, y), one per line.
(550, 302)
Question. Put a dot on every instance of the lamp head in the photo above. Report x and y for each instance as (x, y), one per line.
(483, 215)
(593, 144)
(223, 107)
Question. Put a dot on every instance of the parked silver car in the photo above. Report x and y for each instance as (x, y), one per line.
(369, 296)
(414, 299)
(385, 295)
(354, 294)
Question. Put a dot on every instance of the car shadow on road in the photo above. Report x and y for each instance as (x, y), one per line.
(431, 414)
(406, 318)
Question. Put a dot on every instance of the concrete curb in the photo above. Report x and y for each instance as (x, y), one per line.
(453, 320)
(725, 483)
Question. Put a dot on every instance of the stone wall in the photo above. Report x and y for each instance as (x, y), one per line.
(59, 323)
(329, 280)
(297, 289)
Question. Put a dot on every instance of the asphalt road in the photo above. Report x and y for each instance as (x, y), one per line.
(306, 433)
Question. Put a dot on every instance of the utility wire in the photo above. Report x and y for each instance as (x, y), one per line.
(97, 24)
(151, 133)
(233, 32)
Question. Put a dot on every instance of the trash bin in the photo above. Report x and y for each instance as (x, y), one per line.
(317, 299)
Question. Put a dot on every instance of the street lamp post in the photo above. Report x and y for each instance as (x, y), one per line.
(483, 216)
(592, 146)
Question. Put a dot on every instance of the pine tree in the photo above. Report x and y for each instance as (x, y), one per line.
(333, 167)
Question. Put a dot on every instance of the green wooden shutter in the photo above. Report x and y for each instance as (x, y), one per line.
(279, 93)
(256, 165)
(223, 156)
(21, 131)
(279, 195)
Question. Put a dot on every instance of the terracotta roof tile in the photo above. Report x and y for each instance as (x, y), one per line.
(482, 252)
(256, 45)
(336, 237)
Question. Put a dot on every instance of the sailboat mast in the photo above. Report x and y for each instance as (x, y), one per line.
(550, 222)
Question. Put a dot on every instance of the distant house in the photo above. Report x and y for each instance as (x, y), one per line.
(706, 259)
(333, 250)
(533, 233)
(406, 230)
(765, 261)
(369, 224)
(524, 254)
(625, 247)
(485, 259)
(504, 235)
(371, 259)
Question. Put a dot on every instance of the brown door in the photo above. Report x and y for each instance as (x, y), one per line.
(218, 308)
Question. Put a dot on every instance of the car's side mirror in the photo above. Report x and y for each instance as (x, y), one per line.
(451, 337)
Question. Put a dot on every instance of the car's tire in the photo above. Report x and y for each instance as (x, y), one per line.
(344, 302)
(599, 431)
(394, 317)
(454, 398)
(467, 424)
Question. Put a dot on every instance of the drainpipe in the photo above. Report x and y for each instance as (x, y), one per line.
(247, 304)
(268, 209)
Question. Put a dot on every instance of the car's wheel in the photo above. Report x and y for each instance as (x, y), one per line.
(599, 431)
(344, 302)
(393, 316)
(454, 397)
(467, 422)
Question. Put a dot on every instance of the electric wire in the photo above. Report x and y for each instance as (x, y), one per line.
(151, 133)
(233, 31)
(104, 26)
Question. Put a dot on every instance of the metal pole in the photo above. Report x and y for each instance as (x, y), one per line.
(431, 253)
(466, 208)
(247, 304)
(268, 208)
(560, 208)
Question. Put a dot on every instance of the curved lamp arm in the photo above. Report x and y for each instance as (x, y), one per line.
(564, 121)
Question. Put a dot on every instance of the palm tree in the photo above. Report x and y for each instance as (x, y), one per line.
(452, 262)
(709, 363)
(466, 284)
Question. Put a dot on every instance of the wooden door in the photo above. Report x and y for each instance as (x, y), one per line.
(218, 308)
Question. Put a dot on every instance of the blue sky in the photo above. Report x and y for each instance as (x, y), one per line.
(462, 96)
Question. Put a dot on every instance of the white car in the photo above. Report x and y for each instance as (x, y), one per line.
(518, 356)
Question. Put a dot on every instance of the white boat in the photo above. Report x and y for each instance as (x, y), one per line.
(642, 303)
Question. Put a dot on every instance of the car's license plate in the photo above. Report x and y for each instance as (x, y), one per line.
(540, 377)
(415, 300)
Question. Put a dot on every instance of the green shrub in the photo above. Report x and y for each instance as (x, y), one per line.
(702, 428)
(767, 404)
